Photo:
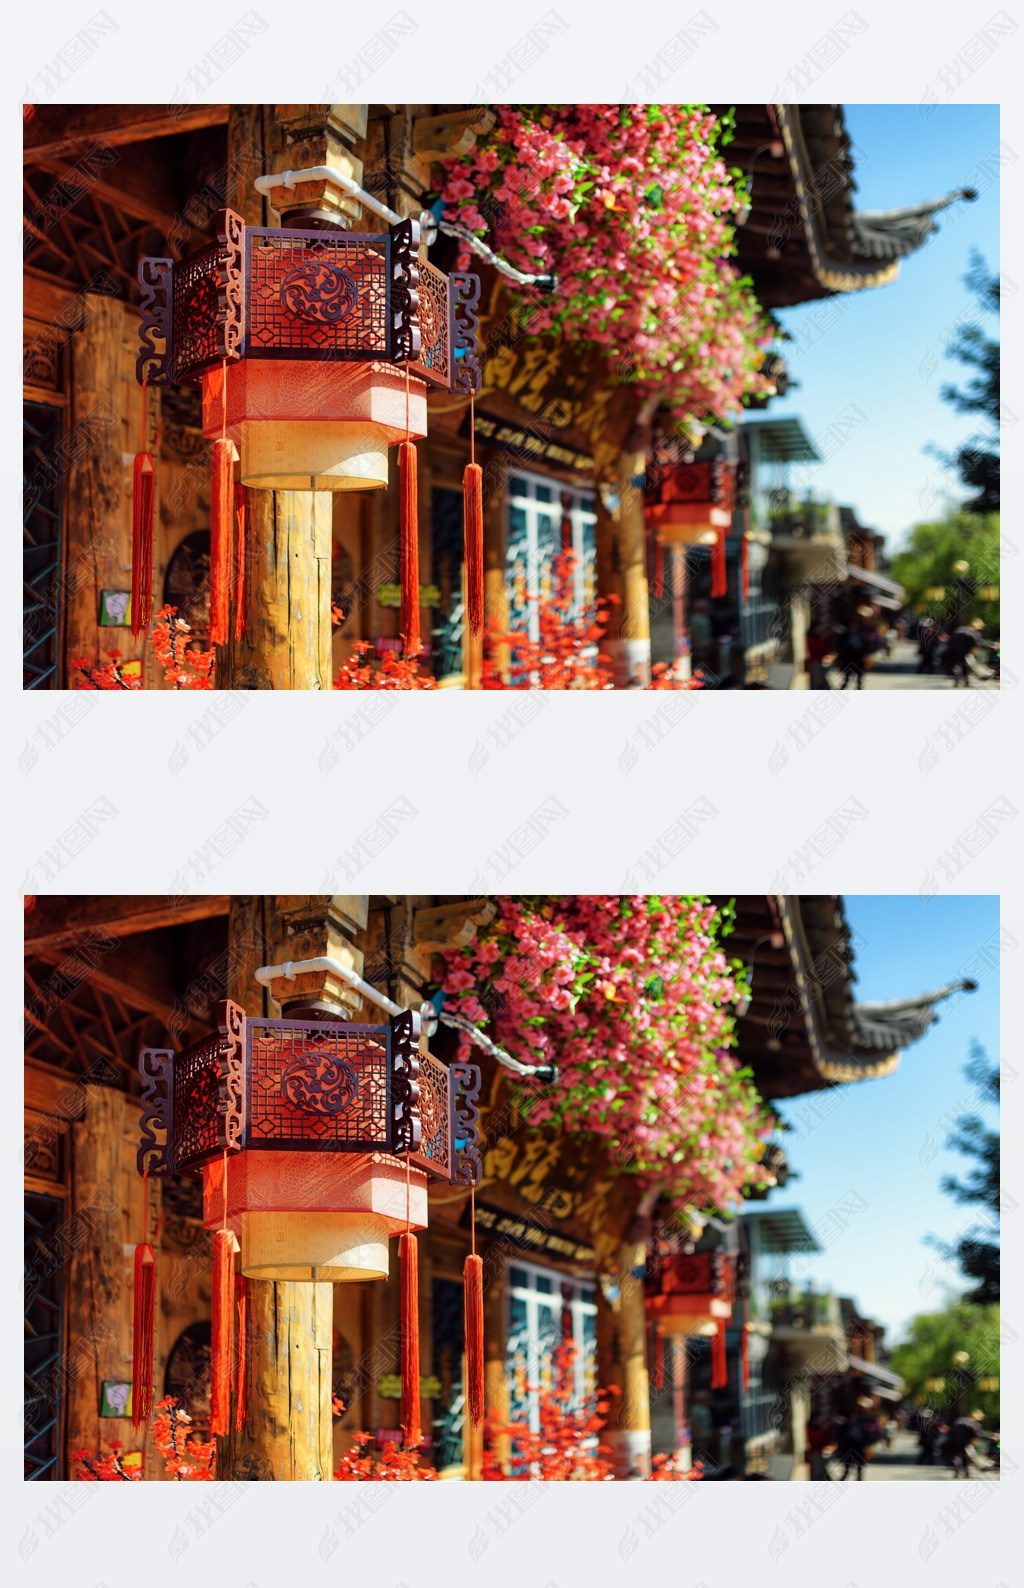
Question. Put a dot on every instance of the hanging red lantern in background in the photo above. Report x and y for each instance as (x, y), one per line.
(689, 1293)
(314, 350)
(314, 1137)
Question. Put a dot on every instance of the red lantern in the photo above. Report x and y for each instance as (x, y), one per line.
(314, 1137)
(314, 350)
(690, 1293)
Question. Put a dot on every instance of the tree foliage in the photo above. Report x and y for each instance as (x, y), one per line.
(977, 460)
(934, 1349)
(928, 563)
(976, 1251)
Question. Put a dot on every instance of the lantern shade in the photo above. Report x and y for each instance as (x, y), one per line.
(686, 523)
(693, 1314)
(320, 426)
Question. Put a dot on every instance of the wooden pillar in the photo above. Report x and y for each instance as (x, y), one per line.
(98, 486)
(288, 1432)
(287, 644)
(99, 1330)
(622, 1364)
(622, 575)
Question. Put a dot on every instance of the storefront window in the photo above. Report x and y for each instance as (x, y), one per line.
(544, 1309)
(544, 517)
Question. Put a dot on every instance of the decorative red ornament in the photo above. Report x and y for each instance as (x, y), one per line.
(221, 1331)
(242, 1385)
(240, 562)
(658, 1358)
(409, 530)
(222, 515)
(408, 1257)
(142, 1334)
(719, 578)
(143, 491)
(473, 1294)
(719, 1360)
(473, 544)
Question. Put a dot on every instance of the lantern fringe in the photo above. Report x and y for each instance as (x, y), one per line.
(409, 533)
(473, 1294)
(473, 544)
(744, 569)
(408, 1254)
(744, 1359)
(142, 1334)
(221, 1331)
(658, 1359)
(719, 1360)
(242, 1385)
(221, 517)
(719, 578)
(143, 493)
(240, 562)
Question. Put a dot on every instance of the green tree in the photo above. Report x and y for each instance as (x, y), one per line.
(977, 460)
(977, 1250)
(960, 1347)
(929, 563)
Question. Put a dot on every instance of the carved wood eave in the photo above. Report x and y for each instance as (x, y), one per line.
(60, 131)
(62, 920)
(451, 925)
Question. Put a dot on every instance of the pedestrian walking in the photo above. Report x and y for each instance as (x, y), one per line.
(820, 651)
(851, 654)
(850, 1446)
(820, 1441)
(928, 639)
(959, 1440)
(959, 646)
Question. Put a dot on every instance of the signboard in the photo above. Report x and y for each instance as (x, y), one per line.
(529, 1236)
(530, 445)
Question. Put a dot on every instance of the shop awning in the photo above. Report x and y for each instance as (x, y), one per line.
(889, 1380)
(878, 582)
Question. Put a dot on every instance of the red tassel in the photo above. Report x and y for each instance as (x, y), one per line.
(221, 1331)
(409, 530)
(240, 567)
(744, 569)
(408, 1256)
(473, 1293)
(143, 484)
(242, 1386)
(719, 1361)
(659, 568)
(142, 1335)
(473, 544)
(744, 1359)
(221, 515)
(658, 1355)
(719, 581)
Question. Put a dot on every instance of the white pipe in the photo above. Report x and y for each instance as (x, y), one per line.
(326, 173)
(292, 968)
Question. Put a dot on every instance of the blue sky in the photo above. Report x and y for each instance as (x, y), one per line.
(883, 350)
(883, 1140)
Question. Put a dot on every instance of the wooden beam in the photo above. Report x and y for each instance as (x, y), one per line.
(62, 130)
(60, 920)
(135, 193)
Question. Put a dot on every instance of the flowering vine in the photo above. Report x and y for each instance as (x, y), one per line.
(632, 999)
(394, 672)
(630, 206)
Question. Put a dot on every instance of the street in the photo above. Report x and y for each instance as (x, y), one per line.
(900, 672)
(901, 1462)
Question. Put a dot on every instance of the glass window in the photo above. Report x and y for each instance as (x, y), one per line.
(544, 1309)
(544, 517)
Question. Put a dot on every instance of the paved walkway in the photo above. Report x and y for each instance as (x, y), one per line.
(901, 1462)
(900, 672)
